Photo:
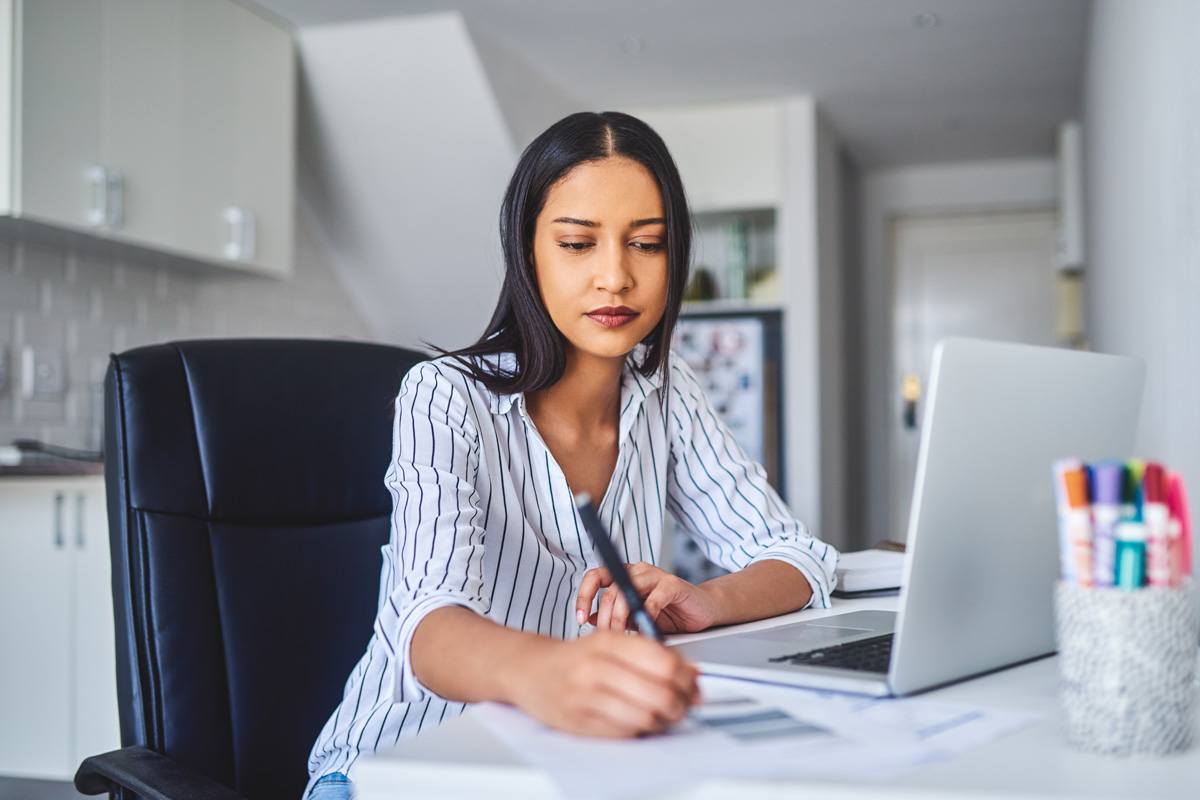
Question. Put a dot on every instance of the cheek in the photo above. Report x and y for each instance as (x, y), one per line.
(556, 284)
(656, 281)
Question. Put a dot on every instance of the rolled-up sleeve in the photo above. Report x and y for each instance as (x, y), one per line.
(435, 554)
(722, 499)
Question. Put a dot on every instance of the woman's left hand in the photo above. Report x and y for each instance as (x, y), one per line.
(675, 605)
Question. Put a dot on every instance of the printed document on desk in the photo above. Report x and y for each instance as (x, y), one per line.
(748, 730)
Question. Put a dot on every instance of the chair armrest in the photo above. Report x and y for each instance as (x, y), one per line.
(149, 775)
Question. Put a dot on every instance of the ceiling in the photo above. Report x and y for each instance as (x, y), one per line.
(902, 81)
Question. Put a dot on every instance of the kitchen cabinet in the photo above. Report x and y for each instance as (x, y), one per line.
(165, 125)
(58, 687)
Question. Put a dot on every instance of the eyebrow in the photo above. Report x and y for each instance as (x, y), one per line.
(637, 223)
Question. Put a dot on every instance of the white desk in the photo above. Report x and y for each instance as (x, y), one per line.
(462, 759)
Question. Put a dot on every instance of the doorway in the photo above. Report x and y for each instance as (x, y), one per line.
(986, 275)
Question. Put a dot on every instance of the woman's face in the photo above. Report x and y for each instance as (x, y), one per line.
(600, 256)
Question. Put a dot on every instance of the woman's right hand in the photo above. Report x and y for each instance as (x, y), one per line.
(605, 684)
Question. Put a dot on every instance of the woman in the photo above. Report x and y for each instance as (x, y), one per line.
(489, 581)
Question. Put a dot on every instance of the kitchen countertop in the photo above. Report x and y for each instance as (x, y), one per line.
(64, 468)
(15, 463)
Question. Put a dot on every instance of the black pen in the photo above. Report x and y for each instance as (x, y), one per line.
(616, 567)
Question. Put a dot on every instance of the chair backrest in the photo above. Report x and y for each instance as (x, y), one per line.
(246, 511)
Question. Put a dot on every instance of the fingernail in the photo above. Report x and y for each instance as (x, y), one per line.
(579, 616)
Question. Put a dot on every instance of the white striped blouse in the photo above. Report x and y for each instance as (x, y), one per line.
(483, 518)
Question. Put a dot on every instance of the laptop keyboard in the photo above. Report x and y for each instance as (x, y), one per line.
(864, 655)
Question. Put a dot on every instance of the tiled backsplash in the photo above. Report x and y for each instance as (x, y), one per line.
(74, 309)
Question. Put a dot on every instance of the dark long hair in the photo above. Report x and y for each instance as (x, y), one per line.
(520, 324)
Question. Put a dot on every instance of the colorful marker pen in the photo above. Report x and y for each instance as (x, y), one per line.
(1180, 530)
(1130, 509)
(1065, 545)
(1079, 525)
(1131, 555)
(1106, 513)
(1137, 467)
(1157, 520)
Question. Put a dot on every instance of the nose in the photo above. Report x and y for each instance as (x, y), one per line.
(612, 270)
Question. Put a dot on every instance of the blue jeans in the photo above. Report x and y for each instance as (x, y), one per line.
(334, 786)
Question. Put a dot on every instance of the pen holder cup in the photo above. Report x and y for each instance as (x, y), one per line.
(1127, 668)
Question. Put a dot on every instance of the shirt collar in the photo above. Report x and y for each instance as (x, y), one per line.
(635, 387)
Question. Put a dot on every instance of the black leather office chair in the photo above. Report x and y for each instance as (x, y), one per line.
(246, 509)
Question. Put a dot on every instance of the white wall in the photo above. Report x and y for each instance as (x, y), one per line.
(942, 188)
(799, 267)
(1142, 151)
(404, 158)
(729, 154)
(529, 101)
(813, 268)
(832, 352)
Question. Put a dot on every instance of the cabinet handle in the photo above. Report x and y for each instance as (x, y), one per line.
(242, 239)
(115, 191)
(80, 501)
(106, 188)
(59, 537)
(97, 179)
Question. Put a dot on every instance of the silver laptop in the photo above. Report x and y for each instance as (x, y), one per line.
(982, 535)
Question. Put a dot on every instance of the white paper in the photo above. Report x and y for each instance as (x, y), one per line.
(785, 733)
(866, 570)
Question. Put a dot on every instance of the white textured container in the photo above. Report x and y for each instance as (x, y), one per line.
(1127, 668)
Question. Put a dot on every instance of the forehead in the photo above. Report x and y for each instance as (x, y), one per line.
(615, 186)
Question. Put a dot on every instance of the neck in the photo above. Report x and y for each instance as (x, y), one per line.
(586, 397)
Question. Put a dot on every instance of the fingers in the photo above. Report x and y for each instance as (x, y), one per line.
(613, 610)
(620, 612)
(612, 685)
(605, 610)
(616, 714)
(657, 662)
(656, 601)
(593, 581)
(646, 576)
(663, 700)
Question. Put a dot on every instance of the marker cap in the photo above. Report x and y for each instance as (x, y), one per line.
(1154, 484)
(1077, 490)
(1129, 485)
(1109, 476)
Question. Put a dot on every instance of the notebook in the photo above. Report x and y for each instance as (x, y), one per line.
(869, 571)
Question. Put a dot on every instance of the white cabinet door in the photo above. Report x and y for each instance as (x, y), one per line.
(57, 100)
(264, 157)
(209, 131)
(96, 725)
(35, 609)
(141, 115)
(238, 133)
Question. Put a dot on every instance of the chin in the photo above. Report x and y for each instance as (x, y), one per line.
(611, 344)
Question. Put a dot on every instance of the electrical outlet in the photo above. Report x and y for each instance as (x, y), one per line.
(49, 374)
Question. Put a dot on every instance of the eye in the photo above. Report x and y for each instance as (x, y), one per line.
(648, 247)
(576, 246)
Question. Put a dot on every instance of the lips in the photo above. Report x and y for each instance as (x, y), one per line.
(612, 316)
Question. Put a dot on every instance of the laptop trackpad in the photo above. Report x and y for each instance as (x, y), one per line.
(804, 635)
(828, 629)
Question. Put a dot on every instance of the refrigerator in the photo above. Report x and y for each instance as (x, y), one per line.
(737, 357)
